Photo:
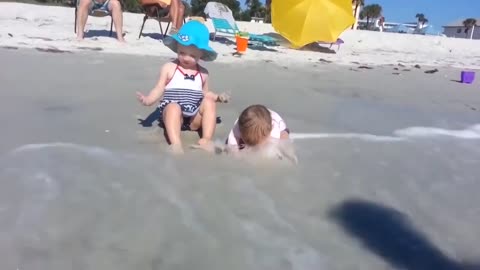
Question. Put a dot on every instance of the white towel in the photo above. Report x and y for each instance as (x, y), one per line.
(219, 11)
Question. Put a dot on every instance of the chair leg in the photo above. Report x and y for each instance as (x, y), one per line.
(143, 24)
(75, 23)
(159, 19)
(166, 30)
(111, 28)
(161, 28)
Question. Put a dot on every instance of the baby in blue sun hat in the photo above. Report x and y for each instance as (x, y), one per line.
(193, 33)
(183, 88)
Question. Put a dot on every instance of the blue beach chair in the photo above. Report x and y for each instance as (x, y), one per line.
(222, 26)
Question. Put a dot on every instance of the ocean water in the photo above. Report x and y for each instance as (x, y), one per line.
(351, 202)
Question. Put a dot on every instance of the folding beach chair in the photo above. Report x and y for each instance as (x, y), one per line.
(95, 13)
(223, 22)
(222, 26)
(156, 12)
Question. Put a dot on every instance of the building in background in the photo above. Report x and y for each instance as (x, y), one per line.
(458, 30)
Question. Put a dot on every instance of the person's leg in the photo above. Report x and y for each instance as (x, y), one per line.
(83, 8)
(174, 16)
(206, 119)
(115, 8)
(172, 120)
(180, 13)
(152, 2)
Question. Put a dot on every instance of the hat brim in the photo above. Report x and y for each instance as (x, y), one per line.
(172, 42)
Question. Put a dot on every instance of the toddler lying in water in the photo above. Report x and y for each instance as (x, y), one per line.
(261, 130)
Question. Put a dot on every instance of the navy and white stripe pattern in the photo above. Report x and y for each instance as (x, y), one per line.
(185, 90)
(188, 99)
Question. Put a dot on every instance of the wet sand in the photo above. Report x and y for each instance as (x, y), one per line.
(84, 186)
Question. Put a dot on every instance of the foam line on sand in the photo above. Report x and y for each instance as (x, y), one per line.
(472, 132)
(366, 137)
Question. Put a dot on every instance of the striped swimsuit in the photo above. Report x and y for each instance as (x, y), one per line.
(184, 89)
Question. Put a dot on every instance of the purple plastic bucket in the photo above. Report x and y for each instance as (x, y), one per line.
(468, 77)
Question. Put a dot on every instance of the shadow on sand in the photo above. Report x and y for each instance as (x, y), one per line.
(315, 47)
(156, 36)
(256, 46)
(389, 234)
(101, 33)
(222, 40)
(155, 116)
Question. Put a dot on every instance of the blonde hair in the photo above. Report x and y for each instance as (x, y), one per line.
(255, 124)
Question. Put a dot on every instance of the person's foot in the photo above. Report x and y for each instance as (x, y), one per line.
(205, 144)
(121, 39)
(79, 37)
(176, 149)
(172, 31)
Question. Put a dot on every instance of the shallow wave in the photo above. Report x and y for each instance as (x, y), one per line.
(69, 206)
(62, 203)
(399, 135)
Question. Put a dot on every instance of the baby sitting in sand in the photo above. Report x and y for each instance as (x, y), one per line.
(261, 130)
(183, 89)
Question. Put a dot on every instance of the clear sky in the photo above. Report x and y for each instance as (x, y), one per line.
(438, 12)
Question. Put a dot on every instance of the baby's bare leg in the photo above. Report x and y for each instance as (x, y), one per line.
(208, 112)
(206, 119)
(172, 119)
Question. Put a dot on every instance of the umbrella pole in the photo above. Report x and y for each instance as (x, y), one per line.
(356, 13)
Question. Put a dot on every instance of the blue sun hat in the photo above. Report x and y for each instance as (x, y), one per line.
(192, 33)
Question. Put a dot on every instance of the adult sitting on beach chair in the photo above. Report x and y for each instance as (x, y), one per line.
(171, 11)
(98, 8)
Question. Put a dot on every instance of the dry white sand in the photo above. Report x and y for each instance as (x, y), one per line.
(26, 25)
(84, 186)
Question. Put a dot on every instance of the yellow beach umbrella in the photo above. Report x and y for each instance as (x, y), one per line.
(305, 21)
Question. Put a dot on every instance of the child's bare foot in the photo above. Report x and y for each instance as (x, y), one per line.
(176, 149)
(204, 144)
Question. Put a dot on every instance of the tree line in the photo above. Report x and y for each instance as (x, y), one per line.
(254, 8)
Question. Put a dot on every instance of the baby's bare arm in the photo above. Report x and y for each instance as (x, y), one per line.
(157, 92)
(222, 98)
